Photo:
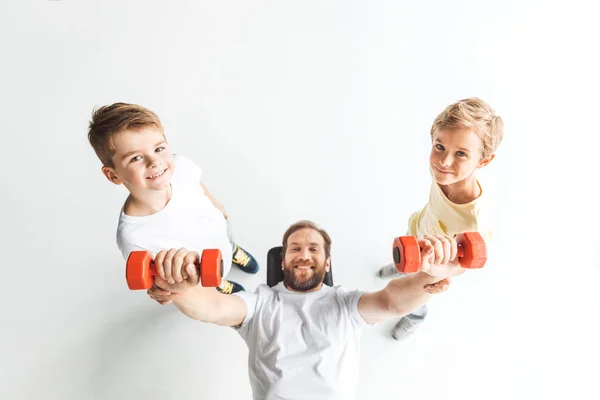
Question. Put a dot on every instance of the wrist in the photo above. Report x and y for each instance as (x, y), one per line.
(184, 294)
(424, 278)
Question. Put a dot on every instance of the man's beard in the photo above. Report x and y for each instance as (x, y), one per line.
(304, 285)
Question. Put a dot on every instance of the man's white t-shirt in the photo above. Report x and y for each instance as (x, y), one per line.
(188, 220)
(302, 345)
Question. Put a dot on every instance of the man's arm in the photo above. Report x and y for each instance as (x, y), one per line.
(400, 297)
(208, 305)
(201, 303)
(403, 295)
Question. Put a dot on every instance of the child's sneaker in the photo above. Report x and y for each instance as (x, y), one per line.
(229, 287)
(244, 260)
(389, 271)
(404, 328)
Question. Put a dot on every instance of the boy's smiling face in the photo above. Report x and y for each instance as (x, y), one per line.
(142, 160)
(455, 155)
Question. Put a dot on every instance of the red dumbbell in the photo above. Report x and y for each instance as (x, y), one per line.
(472, 252)
(141, 270)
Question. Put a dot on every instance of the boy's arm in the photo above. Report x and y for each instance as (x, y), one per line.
(214, 201)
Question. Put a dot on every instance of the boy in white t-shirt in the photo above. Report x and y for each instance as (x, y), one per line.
(464, 139)
(167, 206)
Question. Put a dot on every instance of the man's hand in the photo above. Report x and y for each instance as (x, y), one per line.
(438, 287)
(161, 296)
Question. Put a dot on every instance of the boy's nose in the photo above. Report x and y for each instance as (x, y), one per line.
(153, 161)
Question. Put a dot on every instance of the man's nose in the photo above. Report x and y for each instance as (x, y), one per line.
(305, 254)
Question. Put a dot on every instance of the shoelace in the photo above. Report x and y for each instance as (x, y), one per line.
(226, 287)
(241, 257)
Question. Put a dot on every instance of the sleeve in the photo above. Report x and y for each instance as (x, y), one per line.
(483, 215)
(126, 244)
(252, 304)
(413, 220)
(350, 299)
(127, 248)
(186, 170)
(484, 226)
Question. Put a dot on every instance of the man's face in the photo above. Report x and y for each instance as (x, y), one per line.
(304, 264)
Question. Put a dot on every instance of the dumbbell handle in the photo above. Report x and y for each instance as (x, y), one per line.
(141, 269)
(153, 270)
(460, 250)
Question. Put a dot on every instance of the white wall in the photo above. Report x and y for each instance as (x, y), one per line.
(312, 109)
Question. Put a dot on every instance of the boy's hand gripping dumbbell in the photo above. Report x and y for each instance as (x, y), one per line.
(141, 269)
(471, 252)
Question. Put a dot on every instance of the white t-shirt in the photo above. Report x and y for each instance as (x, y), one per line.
(302, 345)
(188, 220)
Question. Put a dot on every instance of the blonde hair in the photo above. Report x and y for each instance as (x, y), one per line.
(475, 114)
(108, 121)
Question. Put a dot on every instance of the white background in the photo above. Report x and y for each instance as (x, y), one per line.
(314, 110)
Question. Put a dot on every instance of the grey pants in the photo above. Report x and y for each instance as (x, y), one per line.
(417, 316)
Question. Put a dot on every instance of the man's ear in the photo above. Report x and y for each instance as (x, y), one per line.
(486, 161)
(327, 264)
(110, 174)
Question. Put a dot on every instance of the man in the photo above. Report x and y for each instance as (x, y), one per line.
(303, 336)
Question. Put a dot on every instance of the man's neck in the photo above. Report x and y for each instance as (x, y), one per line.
(315, 289)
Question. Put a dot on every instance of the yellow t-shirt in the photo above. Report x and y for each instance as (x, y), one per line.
(440, 215)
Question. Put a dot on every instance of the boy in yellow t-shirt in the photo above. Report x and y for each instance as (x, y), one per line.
(464, 138)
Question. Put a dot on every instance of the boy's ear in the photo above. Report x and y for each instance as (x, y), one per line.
(109, 173)
(486, 161)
